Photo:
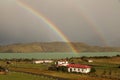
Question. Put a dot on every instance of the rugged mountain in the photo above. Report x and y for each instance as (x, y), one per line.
(54, 47)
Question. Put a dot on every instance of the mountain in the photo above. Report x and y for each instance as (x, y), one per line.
(54, 47)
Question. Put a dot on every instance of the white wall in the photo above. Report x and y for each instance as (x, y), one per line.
(63, 63)
(81, 70)
(42, 61)
(37, 62)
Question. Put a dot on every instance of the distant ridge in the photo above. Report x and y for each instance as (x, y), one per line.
(53, 47)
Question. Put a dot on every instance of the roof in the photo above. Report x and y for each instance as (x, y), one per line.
(78, 66)
(63, 61)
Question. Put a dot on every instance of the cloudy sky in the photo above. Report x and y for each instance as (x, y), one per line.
(95, 22)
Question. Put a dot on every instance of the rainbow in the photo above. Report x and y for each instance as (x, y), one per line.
(92, 24)
(51, 25)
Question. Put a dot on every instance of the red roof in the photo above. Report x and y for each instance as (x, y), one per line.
(78, 66)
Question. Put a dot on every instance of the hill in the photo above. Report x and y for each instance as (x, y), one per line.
(54, 47)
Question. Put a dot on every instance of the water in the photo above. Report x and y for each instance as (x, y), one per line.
(54, 55)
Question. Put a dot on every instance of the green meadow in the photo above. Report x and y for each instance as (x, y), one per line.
(22, 76)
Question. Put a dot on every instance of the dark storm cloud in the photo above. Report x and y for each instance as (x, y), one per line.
(80, 20)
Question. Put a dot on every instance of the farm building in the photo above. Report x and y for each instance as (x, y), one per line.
(90, 61)
(62, 63)
(48, 61)
(42, 61)
(38, 62)
(78, 68)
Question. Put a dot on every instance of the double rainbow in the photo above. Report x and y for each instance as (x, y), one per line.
(54, 28)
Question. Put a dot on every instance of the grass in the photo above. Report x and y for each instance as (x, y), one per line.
(22, 76)
(104, 70)
(42, 69)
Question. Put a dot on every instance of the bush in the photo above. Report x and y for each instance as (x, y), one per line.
(3, 69)
(93, 70)
(62, 68)
(53, 68)
(119, 67)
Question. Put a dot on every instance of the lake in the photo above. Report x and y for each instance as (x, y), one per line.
(54, 55)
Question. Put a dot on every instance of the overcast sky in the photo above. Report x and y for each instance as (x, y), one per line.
(95, 22)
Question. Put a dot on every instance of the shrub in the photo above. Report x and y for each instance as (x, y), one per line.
(53, 68)
(93, 70)
(119, 67)
(62, 68)
(3, 69)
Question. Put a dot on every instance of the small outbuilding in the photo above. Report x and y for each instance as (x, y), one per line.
(42, 61)
(62, 63)
(48, 61)
(90, 61)
(38, 62)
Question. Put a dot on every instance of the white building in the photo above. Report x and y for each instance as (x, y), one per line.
(62, 63)
(48, 61)
(38, 62)
(42, 61)
(90, 61)
(79, 68)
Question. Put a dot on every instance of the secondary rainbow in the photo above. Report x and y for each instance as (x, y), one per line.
(92, 24)
(48, 22)
(94, 27)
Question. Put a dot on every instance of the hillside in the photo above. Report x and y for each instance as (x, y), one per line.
(54, 47)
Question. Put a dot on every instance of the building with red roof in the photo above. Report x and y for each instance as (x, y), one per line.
(79, 68)
(73, 67)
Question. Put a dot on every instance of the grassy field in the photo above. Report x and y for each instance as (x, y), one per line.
(106, 69)
(22, 76)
